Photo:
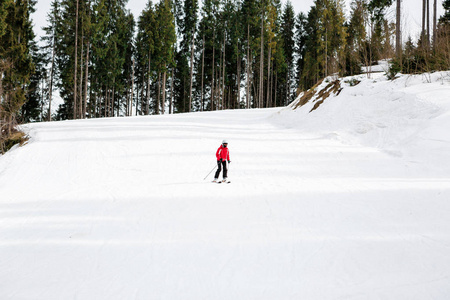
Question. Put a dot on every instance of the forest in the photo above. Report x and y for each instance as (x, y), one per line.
(178, 56)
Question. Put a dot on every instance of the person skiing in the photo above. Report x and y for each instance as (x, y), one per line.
(222, 155)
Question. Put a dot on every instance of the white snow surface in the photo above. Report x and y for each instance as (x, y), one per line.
(350, 201)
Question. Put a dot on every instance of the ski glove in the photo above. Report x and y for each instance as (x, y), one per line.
(221, 160)
(229, 161)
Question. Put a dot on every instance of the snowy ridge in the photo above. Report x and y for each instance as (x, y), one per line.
(400, 117)
(350, 201)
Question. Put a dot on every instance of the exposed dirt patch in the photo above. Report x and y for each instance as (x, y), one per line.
(319, 97)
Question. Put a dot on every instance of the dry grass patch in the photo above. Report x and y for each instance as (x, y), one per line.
(308, 95)
(332, 87)
(16, 137)
(320, 96)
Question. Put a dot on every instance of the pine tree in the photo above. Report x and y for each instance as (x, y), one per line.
(188, 30)
(16, 64)
(445, 18)
(65, 59)
(164, 40)
(208, 31)
(250, 28)
(356, 38)
(300, 45)
(325, 43)
(376, 45)
(32, 110)
(287, 34)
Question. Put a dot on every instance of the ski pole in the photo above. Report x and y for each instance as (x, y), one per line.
(209, 172)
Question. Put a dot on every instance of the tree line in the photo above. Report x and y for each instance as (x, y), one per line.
(176, 57)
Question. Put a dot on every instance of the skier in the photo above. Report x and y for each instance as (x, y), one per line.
(222, 155)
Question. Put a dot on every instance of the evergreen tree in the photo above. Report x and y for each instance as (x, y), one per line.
(377, 44)
(16, 63)
(210, 43)
(144, 52)
(4, 7)
(164, 40)
(32, 110)
(325, 43)
(300, 44)
(250, 32)
(65, 58)
(181, 83)
(234, 54)
(356, 38)
(184, 59)
(287, 33)
(445, 18)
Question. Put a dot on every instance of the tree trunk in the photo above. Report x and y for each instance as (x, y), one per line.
(268, 73)
(106, 102)
(251, 83)
(276, 87)
(434, 22)
(248, 66)
(113, 101)
(398, 39)
(116, 105)
(238, 97)
(223, 72)
(76, 66)
(86, 81)
(326, 52)
(159, 94)
(130, 105)
(203, 72)
(428, 22)
(287, 85)
(49, 117)
(191, 73)
(261, 63)
(213, 72)
(147, 104)
(87, 71)
(80, 103)
(163, 102)
(141, 112)
(42, 100)
(171, 92)
(424, 5)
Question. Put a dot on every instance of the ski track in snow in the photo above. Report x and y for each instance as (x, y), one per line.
(117, 208)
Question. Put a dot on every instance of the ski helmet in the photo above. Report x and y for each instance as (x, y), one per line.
(224, 142)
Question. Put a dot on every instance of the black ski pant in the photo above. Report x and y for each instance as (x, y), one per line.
(219, 168)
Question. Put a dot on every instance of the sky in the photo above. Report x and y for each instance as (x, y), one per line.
(411, 13)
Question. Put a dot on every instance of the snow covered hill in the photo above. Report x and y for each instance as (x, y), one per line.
(350, 201)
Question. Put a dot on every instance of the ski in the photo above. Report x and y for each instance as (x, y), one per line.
(224, 182)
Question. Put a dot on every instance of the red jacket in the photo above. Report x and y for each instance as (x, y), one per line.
(223, 153)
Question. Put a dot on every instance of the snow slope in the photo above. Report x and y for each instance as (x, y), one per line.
(350, 201)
